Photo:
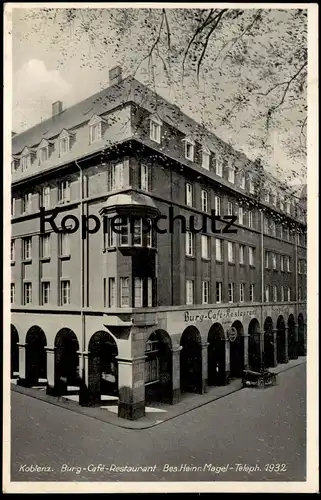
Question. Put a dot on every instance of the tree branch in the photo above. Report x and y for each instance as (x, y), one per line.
(196, 33)
(217, 21)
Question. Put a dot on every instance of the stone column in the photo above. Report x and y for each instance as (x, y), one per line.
(286, 344)
(227, 362)
(296, 342)
(89, 393)
(23, 375)
(246, 351)
(275, 358)
(176, 383)
(51, 379)
(203, 388)
(262, 350)
(131, 385)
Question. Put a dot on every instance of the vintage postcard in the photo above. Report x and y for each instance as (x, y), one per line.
(160, 247)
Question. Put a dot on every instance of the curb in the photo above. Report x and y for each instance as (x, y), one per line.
(97, 413)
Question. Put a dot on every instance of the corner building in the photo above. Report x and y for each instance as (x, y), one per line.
(146, 315)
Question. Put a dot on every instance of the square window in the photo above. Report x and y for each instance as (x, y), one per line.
(204, 200)
(219, 286)
(205, 246)
(189, 151)
(205, 292)
(189, 292)
(155, 131)
(45, 292)
(124, 292)
(64, 292)
(27, 293)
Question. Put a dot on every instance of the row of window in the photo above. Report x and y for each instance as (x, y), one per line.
(63, 144)
(142, 293)
(285, 293)
(142, 296)
(115, 181)
(141, 299)
(97, 126)
(45, 247)
(45, 293)
(243, 217)
(140, 236)
(205, 249)
(215, 162)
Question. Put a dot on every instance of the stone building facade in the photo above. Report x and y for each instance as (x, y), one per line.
(159, 306)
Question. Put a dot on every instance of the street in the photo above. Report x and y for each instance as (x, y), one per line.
(262, 429)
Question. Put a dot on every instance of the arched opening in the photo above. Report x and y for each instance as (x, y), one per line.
(14, 352)
(102, 364)
(301, 339)
(292, 341)
(236, 337)
(66, 358)
(191, 360)
(158, 367)
(255, 361)
(280, 340)
(216, 355)
(269, 346)
(36, 356)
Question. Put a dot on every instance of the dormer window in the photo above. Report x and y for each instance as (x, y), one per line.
(267, 197)
(189, 148)
(155, 129)
(95, 133)
(14, 164)
(206, 156)
(288, 207)
(96, 128)
(25, 162)
(64, 145)
(43, 154)
(281, 203)
(44, 150)
(219, 166)
(242, 181)
(231, 173)
(251, 186)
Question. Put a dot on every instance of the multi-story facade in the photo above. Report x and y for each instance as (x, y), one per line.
(147, 313)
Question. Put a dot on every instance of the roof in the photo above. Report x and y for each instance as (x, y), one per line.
(128, 90)
(133, 199)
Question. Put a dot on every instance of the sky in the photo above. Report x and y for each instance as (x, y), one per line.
(44, 72)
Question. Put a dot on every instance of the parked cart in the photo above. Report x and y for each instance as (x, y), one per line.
(259, 379)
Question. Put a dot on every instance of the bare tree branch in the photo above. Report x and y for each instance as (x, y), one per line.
(216, 23)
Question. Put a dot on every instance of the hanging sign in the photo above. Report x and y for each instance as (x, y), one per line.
(232, 334)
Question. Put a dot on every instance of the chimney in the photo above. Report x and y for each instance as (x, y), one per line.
(56, 108)
(115, 75)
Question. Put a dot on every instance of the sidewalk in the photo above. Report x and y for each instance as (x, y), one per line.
(155, 414)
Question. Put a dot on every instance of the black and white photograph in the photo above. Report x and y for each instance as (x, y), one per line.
(160, 284)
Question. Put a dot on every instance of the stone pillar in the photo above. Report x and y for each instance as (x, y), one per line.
(23, 375)
(262, 348)
(51, 379)
(89, 392)
(246, 351)
(204, 354)
(286, 344)
(227, 362)
(176, 383)
(296, 342)
(275, 358)
(131, 385)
